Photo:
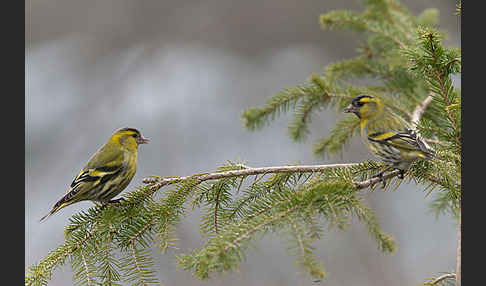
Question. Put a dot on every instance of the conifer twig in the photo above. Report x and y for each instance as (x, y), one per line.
(441, 278)
(420, 109)
(372, 181)
(134, 254)
(157, 183)
(216, 207)
(141, 231)
(88, 278)
(246, 235)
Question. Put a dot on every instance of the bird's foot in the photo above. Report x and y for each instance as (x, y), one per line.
(401, 175)
(382, 179)
(113, 202)
(117, 201)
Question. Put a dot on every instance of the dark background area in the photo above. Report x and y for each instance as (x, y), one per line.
(182, 72)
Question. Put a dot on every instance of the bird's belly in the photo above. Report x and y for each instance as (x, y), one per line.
(386, 153)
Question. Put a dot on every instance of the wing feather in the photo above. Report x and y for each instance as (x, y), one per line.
(104, 164)
(405, 140)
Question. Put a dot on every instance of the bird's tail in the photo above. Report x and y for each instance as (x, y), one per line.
(63, 202)
(427, 151)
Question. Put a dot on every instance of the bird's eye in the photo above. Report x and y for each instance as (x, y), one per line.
(359, 103)
(134, 135)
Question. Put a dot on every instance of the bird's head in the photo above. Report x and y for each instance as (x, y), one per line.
(365, 107)
(129, 138)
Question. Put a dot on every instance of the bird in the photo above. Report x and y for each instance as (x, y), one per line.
(387, 135)
(107, 173)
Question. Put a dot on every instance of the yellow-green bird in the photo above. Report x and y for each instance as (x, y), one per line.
(387, 135)
(107, 173)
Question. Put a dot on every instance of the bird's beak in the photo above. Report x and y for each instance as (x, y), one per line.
(350, 109)
(142, 140)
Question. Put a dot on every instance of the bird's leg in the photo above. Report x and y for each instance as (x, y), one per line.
(117, 201)
(401, 175)
(380, 175)
(112, 202)
(100, 204)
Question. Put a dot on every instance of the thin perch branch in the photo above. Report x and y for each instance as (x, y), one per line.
(157, 183)
(374, 180)
(420, 109)
(442, 277)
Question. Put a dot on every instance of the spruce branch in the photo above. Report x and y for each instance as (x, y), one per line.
(294, 198)
(134, 255)
(38, 274)
(338, 137)
(355, 21)
(300, 246)
(436, 64)
(134, 237)
(137, 266)
(332, 199)
(216, 213)
(440, 279)
(86, 269)
(157, 183)
(107, 270)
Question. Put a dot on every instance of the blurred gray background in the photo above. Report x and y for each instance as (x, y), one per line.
(182, 72)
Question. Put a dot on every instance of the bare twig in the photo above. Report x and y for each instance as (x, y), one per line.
(157, 183)
(441, 278)
(458, 264)
(419, 110)
(374, 180)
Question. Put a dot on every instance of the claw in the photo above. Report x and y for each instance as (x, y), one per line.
(382, 180)
(117, 201)
(402, 174)
(380, 175)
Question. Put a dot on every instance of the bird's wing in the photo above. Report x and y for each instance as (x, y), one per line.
(101, 167)
(106, 163)
(405, 140)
